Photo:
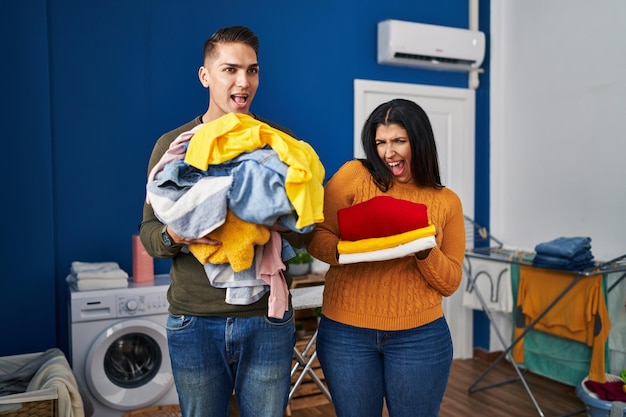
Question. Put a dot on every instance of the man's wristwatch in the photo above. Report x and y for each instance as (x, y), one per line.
(165, 237)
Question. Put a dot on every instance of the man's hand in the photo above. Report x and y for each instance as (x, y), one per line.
(179, 240)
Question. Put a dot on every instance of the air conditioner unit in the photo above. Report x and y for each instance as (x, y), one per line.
(429, 46)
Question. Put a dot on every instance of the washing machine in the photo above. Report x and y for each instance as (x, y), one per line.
(119, 347)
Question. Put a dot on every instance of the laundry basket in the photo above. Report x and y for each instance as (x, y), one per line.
(169, 410)
(595, 406)
(40, 403)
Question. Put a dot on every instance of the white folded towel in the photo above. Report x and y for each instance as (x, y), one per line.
(97, 270)
(402, 250)
(95, 284)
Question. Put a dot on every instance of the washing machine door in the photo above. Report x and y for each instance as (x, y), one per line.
(128, 366)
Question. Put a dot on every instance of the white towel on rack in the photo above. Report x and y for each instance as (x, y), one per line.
(616, 304)
(492, 279)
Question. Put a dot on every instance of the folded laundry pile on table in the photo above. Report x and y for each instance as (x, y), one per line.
(86, 276)
(567, 253)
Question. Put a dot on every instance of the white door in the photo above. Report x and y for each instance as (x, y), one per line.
(451, 113)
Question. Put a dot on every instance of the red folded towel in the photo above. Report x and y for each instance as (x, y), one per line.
(381, 216)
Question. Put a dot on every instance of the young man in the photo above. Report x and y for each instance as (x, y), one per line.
(217, 348)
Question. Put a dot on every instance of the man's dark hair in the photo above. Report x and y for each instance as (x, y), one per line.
(232, 34)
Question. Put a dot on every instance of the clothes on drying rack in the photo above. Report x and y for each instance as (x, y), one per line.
(567, 253)
(493, 280)
(580, 315)
(617, 313)
(489, 282)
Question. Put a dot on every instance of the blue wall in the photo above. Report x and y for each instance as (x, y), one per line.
(87, 87)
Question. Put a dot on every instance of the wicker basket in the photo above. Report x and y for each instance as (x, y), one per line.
(170, 410)
(40, 403)
(45, 408)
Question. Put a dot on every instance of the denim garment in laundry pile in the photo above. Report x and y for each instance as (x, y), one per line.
(192, 205)
(258, 194)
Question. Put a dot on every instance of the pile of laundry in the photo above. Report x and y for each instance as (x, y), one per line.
(390, 237)
(233, 179)
(614, 389)
(566, 253)
(85, 276)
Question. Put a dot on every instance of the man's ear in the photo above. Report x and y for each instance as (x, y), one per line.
(203, 76)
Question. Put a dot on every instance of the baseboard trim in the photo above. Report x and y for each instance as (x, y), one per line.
(484, 355)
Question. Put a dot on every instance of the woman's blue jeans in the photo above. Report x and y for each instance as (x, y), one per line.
(212, 357)
(409, 368)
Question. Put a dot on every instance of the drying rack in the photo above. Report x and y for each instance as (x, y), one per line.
(481, 245)
(301, 299)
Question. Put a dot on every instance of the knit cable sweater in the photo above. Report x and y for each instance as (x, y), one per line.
(397, 294)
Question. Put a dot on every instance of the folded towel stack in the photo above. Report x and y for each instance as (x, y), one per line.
(567, 253)
(86, 276)
(405, 232)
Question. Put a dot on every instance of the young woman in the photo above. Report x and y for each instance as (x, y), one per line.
(382, 334)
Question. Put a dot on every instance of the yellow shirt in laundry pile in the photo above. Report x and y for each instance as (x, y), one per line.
(232, 134)
(237, 248)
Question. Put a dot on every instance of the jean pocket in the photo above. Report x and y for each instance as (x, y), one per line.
(178, 322)
(287, 318)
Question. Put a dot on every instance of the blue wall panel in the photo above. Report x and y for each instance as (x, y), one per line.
(94, 84)
(27, 278)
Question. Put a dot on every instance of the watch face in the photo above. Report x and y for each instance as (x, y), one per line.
(165, 237)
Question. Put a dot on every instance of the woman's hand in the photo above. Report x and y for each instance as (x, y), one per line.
(421, 255)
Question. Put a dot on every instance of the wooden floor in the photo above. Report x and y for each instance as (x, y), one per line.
(510, 400)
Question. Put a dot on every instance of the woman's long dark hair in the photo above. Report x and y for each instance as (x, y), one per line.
(424, 158)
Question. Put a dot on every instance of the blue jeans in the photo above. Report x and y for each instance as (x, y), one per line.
(409, 368)
(214, 356)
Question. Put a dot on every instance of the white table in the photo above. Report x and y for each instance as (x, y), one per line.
(304, 298)
(307, 297)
